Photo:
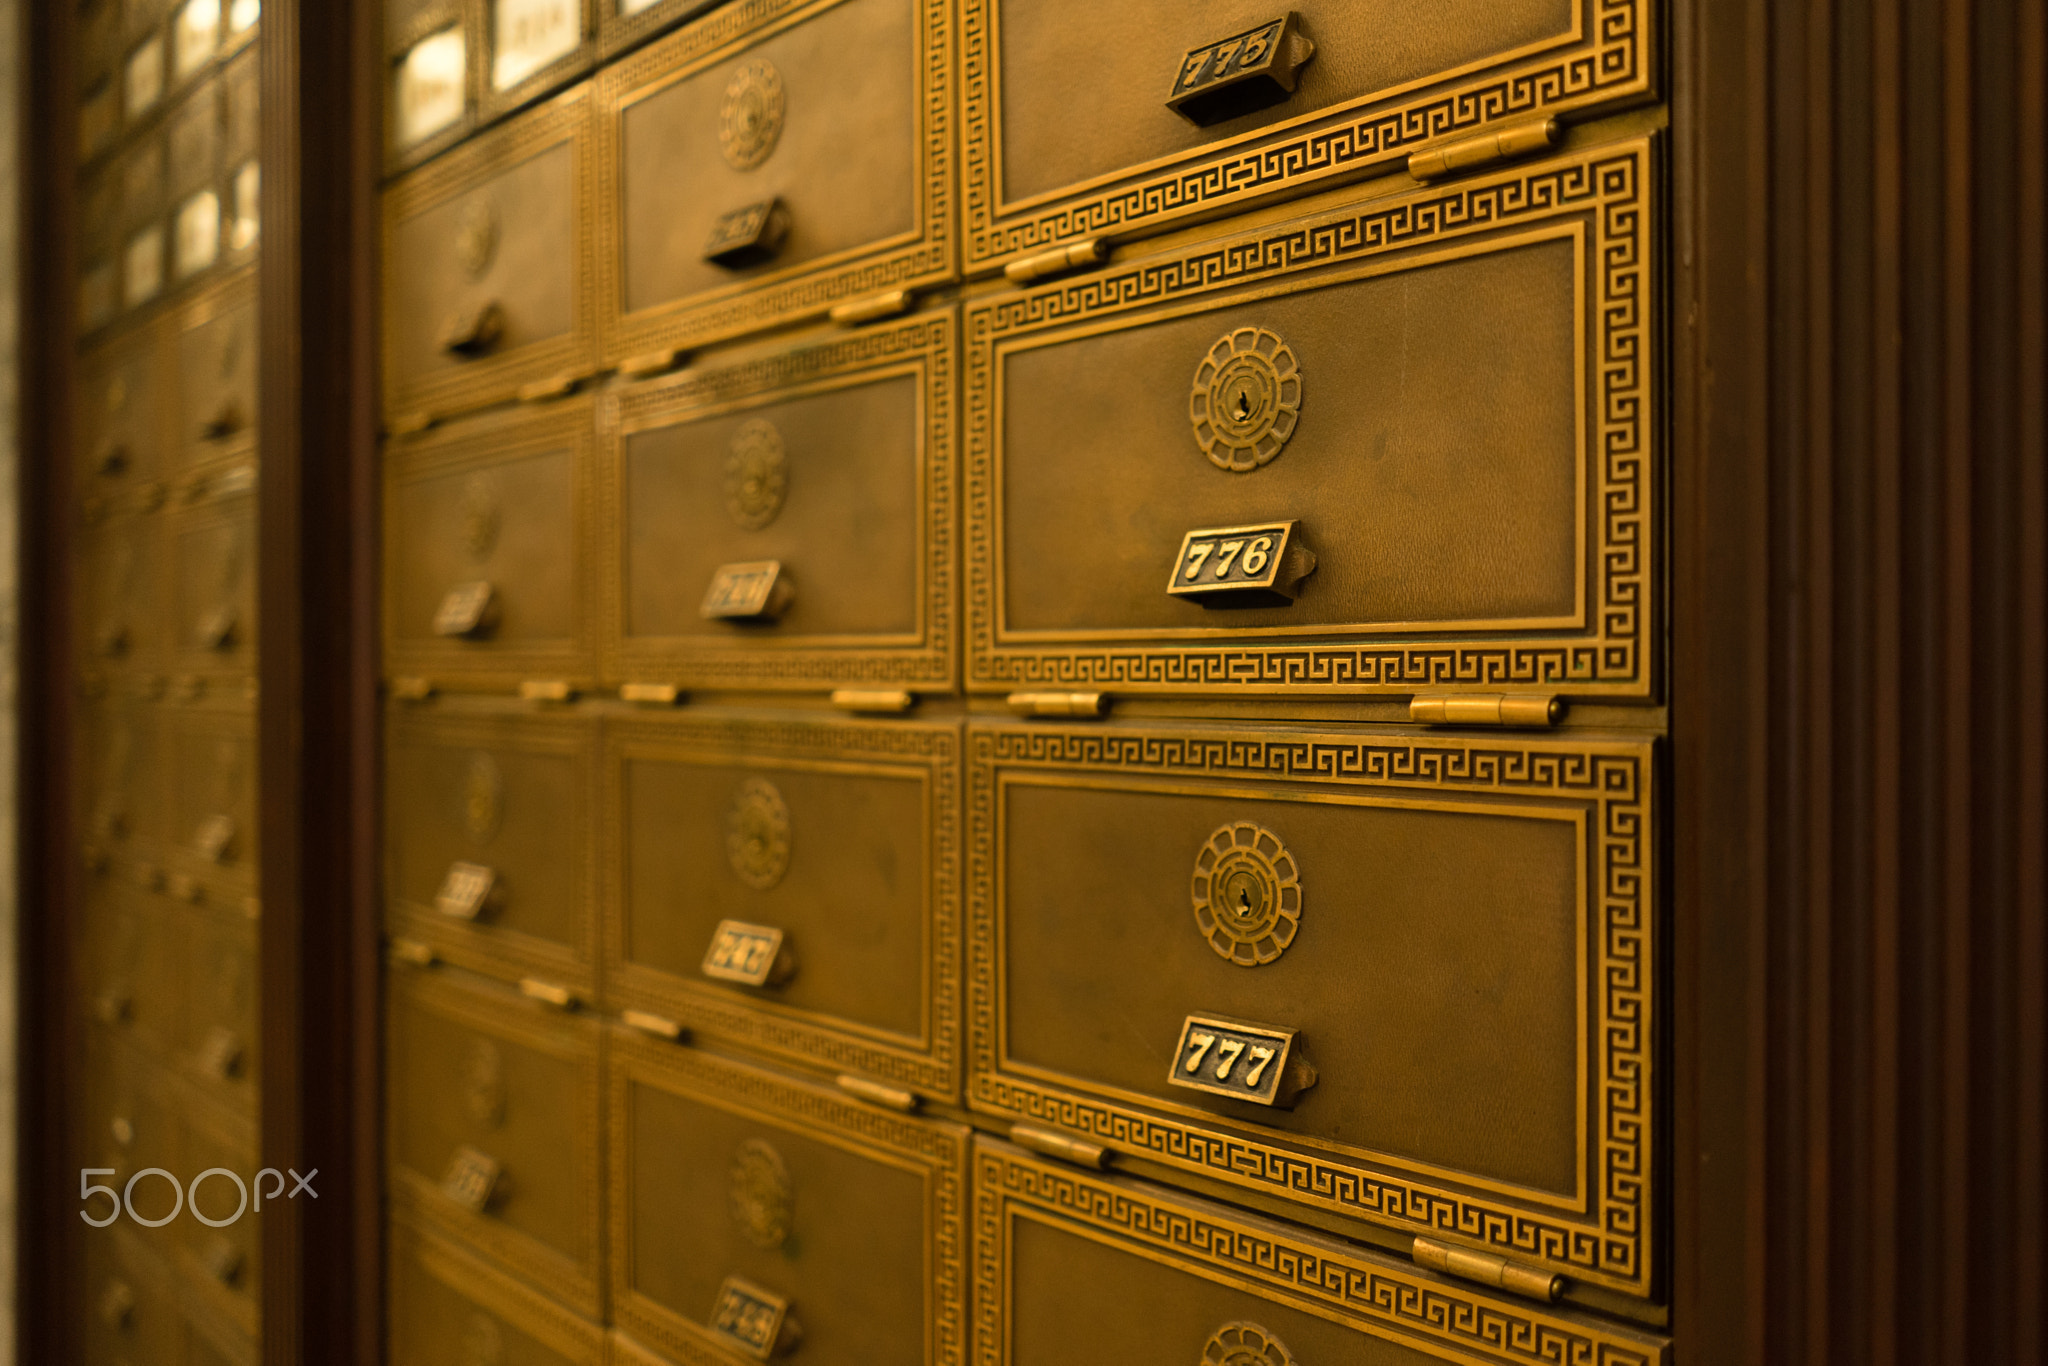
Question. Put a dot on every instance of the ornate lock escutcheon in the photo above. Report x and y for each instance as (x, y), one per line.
(757, 834)
(748, 236)
(756, 1321)
(467, 612)
(756, 475)
(760, 1195)
(466, 891)
(1245, 1344)
(753, 590)
(1242, 566)
(473, 1179)
(1246, 399)
(1247, 894)
(752, 955)
(1244, 1061)
(1242, 74)
(750, 119)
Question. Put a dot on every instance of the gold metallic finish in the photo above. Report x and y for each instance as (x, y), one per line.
(465, 612)
(553, 387)
(756, 475)
(1064, 1147)
(879, 1093)
(1487, 1269)
(1247, 892)
(1246, 399)
(750, 119)
(1254, 1063)
(1466, 154)
(752, 590)
(473, 331)
(889, 303)
(409, 424)
(750, 955)
(1241, 74)
(650, 694)
(547, 690)
(413, 953)
(445, 1303)
(472, 1179)
(1467, 709)
(651, 363)
(465, 892)
(1242, 566)
(658, 1026)
(476, 236)
(749, 235)
(483, 797)
(412, 689)
(548, 993)
(758, 1322)
(1059, 703)
(878, 701)
(1044, 265)
(759, 1196)
(1245, 1344)
(757, 835)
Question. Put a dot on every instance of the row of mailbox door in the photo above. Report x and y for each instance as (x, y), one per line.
(1398, 445)
(1385, 975)
(550, 1174)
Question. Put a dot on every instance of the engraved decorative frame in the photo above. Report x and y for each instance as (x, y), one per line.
(1602, 198)
(416, 1249)
(1604, 59)
(927, 255)
(418, 1195)
(1376, 1295)
(1607, 1235)
(483, 947)
(569, 356)
(930, 754)
(483, 445)
(938, 1150)
(925, 347)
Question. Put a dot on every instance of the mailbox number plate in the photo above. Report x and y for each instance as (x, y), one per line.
(1230, 1058)
(749, 1317)
(1231, 559)
(465, 890)
(743, 953)
(471, 1180)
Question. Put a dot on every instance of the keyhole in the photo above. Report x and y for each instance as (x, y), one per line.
(1244, 406)
(1244, 904)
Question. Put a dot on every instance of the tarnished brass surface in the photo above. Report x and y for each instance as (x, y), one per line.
(833, 460)
(1470, 451)
(507, 222)
(849, 1215)
(514, 793)
(498, 509)
(450, 1308)
(1069, 134)
(760, 102)
(1149, 1277)
(842, 836)
(471, 1066)
(1468, 969)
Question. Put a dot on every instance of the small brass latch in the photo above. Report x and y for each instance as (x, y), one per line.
(410, 424)
(874, 308)
(547, 993)
(877, 1093)
(1503, 144)
(1059, 703)
(652, 363)
(1042, 265)
(659, 1026)
(547, 690)
(412, 689)
(1064, 1147)
(879, 700)
(1488, 1269)
(555, 386)
(1484, 709)
(650, 694)
(413, 953)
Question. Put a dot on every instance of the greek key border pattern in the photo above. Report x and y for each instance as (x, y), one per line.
(736, 310)
(1609, 65)
(1614, 1248)
(941, 1147)
(1610, 186)
(934, 1070)
(931, 337)
(1379, 1297)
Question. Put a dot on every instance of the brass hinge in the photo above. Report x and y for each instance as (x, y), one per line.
(1044, 265)
(554, 386)
(412, 689)
(659, 1026)
(873, 699)
(874, 308)
(1488, 1269)
(1065, 1147)
(1059, 703)
(876, 1093)
(548, 993)
(651, 363)
(547, 690)
(410, 424)
(1484, 709)
(1502, 144)
(413, 953)
(650, 694)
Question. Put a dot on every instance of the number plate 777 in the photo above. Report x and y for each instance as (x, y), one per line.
(1237, 1059)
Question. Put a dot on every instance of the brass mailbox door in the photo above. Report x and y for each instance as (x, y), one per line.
(489, 828)
(212, 534)
(449, 1306)
(753, 108)
(121, 589)
(1073, 1266)
(1072, 131)
(832, 845)
(1400, 977)
(834, 461)
(486, 266)
(807, 1212)
(215, 414)
(487, 573)
(492, 1113)
(119, 413)
(1444, 398)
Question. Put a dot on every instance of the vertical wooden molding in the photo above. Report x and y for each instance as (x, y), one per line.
(317, 715)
